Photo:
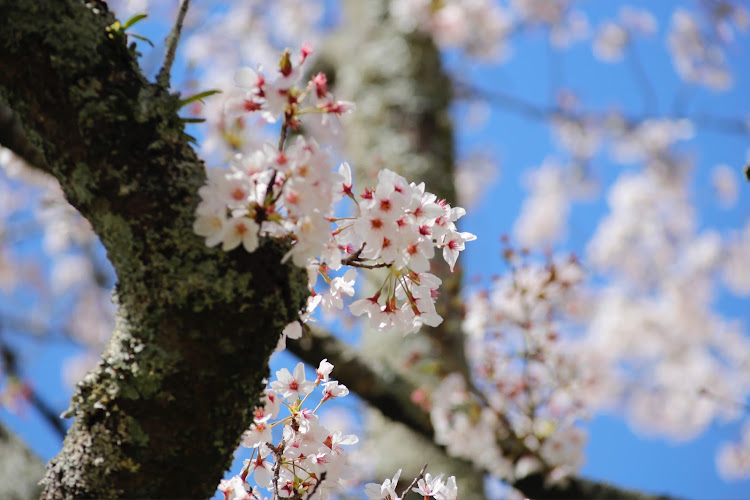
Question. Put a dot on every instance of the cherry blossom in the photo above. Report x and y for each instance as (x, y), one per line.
(290, 191)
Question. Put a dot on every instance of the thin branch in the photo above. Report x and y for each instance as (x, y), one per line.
(277, 452)
(420, 476)
(354, 261)
(640, 75)
(317, 485)
(48, 413)
(10, 364)
(171, 44)
(524, 107)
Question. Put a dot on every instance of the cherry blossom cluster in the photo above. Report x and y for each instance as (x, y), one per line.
(309, 460)
(290, 191)
(530, 388)
(426, 485)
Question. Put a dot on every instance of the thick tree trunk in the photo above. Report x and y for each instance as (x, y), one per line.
(163, 412)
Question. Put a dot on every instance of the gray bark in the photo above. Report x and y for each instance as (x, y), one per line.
(20, 469)
(164, 410)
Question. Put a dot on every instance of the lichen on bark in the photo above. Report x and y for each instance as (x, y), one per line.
(162, 413)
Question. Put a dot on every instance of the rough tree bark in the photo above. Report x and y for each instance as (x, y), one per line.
(164, 410)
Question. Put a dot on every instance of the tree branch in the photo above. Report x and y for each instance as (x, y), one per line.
(539, 112)
(10, 364)
(171, 44)
(177, 382)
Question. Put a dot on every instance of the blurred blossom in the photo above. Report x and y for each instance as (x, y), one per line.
(650, 138)
(612, 37)
(474, 175)
(736, 271)
(93, 318)
(63, 225)
(541, 11)
(638, 20)
(74, 368)
(574, 28)
(544, 214)
(724, 180)
(734, 458)
(17, 169)
(8, 278)
(127, 8)
(480, 27)
(698, 59)
(70, 271)
(610, 42)
(727, 17)
(582, 137)
(648, 214)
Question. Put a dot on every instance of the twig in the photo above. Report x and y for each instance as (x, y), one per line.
(521, 106)
(317, 485)
(171, 43)
(639, 73)
(420, 476)
(277, 466)
(354, 261)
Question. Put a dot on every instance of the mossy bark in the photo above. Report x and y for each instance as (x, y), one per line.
(164, 410)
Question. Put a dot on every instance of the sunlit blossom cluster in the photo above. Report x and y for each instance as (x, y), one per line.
(290, 191)
(309, 460)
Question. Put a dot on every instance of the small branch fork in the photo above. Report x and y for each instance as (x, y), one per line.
(354, 261)
(171, 45)
(414, 482)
